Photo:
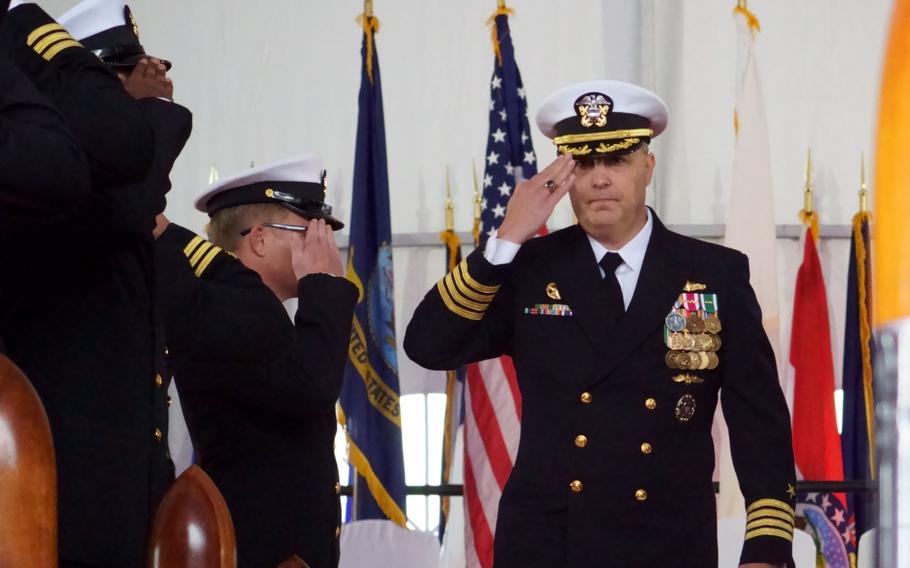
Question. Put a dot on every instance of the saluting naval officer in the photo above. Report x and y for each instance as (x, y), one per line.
(622, 333)
(83, 327)
(262, 420)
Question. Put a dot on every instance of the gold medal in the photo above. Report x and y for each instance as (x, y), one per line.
(691, 323)
(703, 361)
(712, 324)
(682, 360)
(713, 360)
(688, 342)
(715, 340)
(670, 359)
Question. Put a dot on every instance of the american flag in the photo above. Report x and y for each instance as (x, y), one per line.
(833, 527)
(492, 400)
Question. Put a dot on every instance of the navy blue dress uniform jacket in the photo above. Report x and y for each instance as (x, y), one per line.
(81, 317)
(606, 473)
(258, 394)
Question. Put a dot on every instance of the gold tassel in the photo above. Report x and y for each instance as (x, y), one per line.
(501, 10)
(370, 25)
(750, 16)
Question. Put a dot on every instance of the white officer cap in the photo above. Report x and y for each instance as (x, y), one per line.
(109, 30)
(297, 183)
(601, 118)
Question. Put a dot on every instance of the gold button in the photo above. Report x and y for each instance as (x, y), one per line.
(337, 489)
(641, 495)
(158, 434)
(337, 532)
(586, 397)
(168, 400)
(576, 486)
(581, 440)
(158, 381)
(646, 448)
(650, 403)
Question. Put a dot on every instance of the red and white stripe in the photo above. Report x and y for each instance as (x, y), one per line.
(492, 428)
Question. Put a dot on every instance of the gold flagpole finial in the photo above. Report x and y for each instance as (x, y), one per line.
(863, 192)
(744, 4)
(501, 4)
(368, 8)
(450, 207)
(807, 189)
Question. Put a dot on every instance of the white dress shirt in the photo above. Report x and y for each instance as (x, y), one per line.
(499, 251)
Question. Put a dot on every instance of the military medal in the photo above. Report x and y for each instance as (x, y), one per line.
(713, 360)
(670, 359)
(675, 321)
(685, 408)
(715, 342)
(712, 324)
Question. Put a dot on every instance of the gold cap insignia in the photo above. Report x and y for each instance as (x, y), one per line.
(592, 109)
(553, 291)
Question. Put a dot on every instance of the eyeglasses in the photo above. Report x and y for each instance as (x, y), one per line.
(282, 226)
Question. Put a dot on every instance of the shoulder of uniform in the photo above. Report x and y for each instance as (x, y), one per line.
(33, 27)
(198, 251)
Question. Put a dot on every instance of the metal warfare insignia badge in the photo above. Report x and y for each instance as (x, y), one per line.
(593, 108)
(553, 291)
(685, 408)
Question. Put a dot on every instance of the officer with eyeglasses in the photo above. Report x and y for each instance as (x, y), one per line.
(258, 391)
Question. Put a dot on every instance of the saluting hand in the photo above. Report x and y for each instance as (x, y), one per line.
(148, 79)
(533, 200)
(319, 252)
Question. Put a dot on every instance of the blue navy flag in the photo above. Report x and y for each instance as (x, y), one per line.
(510, 157)
(369, 408)
(858, 432)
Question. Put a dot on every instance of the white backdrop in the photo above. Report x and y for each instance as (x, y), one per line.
(272, 78)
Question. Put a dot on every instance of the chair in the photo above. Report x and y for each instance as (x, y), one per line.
(192, 527)
(865, 550)
(730, 533)
(383, 544)
(28, 475)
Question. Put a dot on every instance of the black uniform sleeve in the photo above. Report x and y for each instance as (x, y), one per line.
(42, 168)
(756, 414)
(213, 305)
(464, 318)
(108, 124)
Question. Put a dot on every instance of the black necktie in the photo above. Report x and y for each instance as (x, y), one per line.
(610, 262)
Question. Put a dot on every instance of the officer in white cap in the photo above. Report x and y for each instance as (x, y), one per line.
(259, 393)
(108, 29)
(620, 349)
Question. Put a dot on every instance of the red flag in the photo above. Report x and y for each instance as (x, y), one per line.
(816, 444)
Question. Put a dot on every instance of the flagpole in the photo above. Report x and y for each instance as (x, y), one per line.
(477, 205)
(863, 192)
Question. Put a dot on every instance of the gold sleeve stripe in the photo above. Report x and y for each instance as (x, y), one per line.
(758, 513)
(467, 290)
(770, 532)
(49, 39)
(457, 310)
(200, 252)
(40, 31)
(475, 284)
(207, 260)
(461, 299)
(52, 52)
(194, 242)
(761, 503)
(769, 523)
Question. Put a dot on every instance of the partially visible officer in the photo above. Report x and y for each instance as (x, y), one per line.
(42, 168)
(84, 327)
(264, 431)
(614, 326)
